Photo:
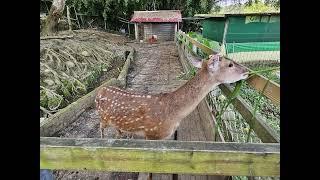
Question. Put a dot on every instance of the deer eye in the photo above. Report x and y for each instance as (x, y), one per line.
(230, 65)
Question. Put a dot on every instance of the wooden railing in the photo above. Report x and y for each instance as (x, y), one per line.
(180, 157)
(174, 157)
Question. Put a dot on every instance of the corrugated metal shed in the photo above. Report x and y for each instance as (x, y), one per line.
(161, 23)
(164, 31)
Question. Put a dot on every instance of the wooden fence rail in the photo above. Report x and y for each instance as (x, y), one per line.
(179, 157)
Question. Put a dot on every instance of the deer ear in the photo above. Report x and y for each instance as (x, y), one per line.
(213, 62)
(195, 61)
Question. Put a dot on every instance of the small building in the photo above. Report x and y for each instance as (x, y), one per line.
(244, 33)
(245, 27)
(163, 24)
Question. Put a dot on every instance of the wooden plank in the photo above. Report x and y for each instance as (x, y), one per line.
(260, 127)
(203, 47)
(180, 157)
(122, 77)
(272, 90)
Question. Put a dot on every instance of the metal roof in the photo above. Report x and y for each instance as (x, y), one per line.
(157, 16)
(234, 14)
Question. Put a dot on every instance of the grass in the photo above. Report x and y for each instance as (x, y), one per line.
(239, 130)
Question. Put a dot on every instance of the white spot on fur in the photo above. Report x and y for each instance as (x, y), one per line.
(148, 96)
(105, 98)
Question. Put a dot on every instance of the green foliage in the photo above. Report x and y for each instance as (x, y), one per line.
(111, 10)
(258, 7)
(250, 7)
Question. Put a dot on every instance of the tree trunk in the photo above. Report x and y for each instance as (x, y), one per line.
(69, 20)
(54, 15)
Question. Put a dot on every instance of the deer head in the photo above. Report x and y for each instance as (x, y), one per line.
(222, 70)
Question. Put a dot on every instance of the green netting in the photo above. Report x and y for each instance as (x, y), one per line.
(252, 46)
(213, 29)
(253, 29)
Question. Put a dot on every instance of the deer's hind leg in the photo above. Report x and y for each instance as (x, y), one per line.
(103, 125)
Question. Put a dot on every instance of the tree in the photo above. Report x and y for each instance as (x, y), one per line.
(55, 13)
(258, 6)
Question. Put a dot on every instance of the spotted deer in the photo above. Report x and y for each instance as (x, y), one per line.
(157, 116)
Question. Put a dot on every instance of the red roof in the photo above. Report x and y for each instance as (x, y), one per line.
(157, 16)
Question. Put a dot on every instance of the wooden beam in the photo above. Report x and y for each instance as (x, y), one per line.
(123, 74)
(203, 47)
(180, 157)
(55, 37)
(136, 31)
(226, 26)
(272, 90)
(263, 131)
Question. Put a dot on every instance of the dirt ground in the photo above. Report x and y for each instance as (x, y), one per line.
(154, 70)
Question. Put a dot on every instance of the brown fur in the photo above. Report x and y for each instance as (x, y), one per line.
(158, 116)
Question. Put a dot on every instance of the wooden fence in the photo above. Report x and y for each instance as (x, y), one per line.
(172, 157)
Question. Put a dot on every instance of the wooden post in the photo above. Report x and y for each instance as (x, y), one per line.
(75, 12)
(175, 31)
(226, 26)
(136, 31)
(129, 28)
(69, 20)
